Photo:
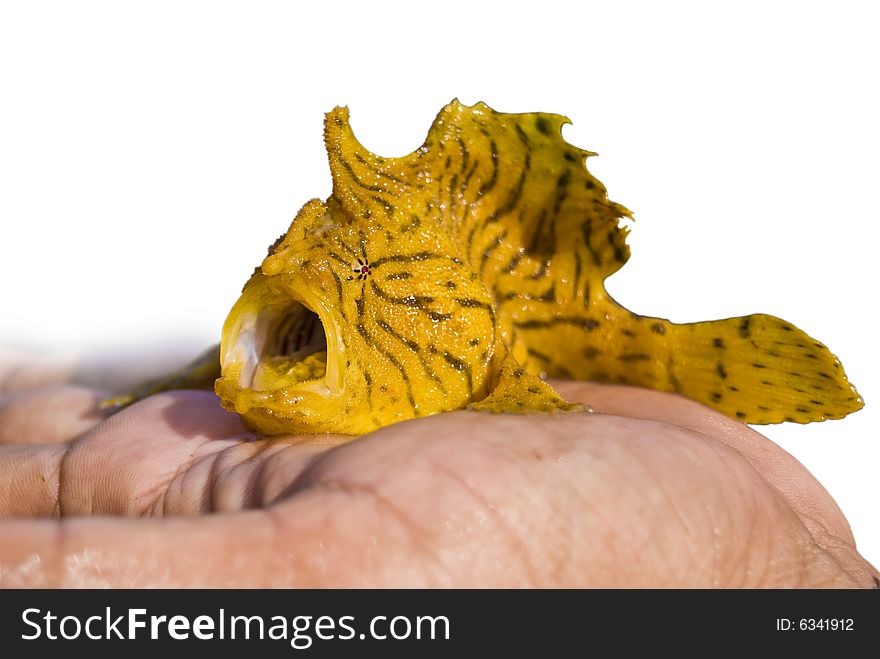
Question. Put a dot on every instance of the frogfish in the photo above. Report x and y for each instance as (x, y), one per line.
(465, 274)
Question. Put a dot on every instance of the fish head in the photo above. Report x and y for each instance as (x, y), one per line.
(351, 324)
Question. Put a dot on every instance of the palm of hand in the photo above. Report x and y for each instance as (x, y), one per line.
(655, 491)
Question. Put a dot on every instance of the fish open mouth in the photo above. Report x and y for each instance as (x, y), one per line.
(290, 346)
(278, 347)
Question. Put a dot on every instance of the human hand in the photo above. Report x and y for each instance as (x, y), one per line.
(652, 491)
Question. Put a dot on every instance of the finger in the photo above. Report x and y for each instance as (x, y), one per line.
(124, 465)
(20, 371)
(49, 415)
(175, 454)
(790, 478)
(29, 486)
(240, 476)
(219, 551)
(307, 543)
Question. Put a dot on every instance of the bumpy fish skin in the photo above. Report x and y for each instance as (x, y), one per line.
(464, 274)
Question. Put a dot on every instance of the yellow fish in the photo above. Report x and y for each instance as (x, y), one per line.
(463, 275)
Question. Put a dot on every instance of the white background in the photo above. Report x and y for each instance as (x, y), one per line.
(151, 151)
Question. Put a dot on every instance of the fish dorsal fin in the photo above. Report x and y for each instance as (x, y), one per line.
(364, 184)
(485, 176)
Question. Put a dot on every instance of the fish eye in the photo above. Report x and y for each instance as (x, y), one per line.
(362, 269)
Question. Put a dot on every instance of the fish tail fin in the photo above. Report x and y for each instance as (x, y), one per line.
(758, 369)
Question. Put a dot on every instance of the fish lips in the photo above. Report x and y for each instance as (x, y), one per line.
(270, 354)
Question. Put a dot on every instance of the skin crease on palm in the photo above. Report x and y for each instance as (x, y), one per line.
(651, 490)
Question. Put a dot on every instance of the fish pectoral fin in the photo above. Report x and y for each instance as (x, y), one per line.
(200, 373)
(519, 392)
